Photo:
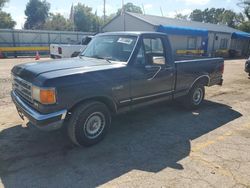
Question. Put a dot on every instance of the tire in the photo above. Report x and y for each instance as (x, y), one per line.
(195, 97)
(89, 123)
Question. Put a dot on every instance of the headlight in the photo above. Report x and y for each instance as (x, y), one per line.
(44, 95)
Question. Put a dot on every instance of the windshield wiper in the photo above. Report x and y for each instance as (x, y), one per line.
(99, 57)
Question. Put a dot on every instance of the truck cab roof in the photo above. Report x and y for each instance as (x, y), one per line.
(134, 33)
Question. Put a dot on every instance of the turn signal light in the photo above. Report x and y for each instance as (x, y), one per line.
(44, 96)
(47, 96)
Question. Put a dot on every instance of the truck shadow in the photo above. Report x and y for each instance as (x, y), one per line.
(149, 139)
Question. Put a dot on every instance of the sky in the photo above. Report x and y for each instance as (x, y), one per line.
(169, 7)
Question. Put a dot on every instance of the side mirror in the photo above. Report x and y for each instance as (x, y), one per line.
(86, 40)
(159, 60)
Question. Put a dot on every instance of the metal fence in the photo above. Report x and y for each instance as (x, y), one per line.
(25, 42)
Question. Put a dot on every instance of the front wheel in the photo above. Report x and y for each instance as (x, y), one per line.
(195, 96)
(89, 123)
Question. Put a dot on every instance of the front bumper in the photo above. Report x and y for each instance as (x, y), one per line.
(50, 121)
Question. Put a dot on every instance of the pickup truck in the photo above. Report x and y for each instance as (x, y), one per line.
(58, 51)
(117, 72)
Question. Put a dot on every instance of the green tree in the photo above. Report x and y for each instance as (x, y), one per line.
(84, 19)
(2, 3)
(6, 22)
(245, 4)
(197, 15)
(244, 26)
(130, 7)
(181, 16)
(231, 18)
(217, 16)
(213, 15)
(37, 13)
(107, 19)
(58, 22)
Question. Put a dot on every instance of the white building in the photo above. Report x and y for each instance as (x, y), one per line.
(187, 37)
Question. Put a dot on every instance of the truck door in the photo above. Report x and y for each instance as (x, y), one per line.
(152, 76)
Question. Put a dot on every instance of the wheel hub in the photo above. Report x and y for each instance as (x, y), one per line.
(197, 96)
(94, 125)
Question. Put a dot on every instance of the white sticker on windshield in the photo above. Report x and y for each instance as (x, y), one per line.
(125, 40)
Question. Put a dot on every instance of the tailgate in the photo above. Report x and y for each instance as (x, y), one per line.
(54, 49)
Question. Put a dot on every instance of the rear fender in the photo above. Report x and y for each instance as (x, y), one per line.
(203, 79)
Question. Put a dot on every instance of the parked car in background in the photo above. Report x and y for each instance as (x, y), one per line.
(247, 66)
(117, 72)
(68, 50)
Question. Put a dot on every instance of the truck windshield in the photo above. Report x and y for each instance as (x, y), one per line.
(111, 47)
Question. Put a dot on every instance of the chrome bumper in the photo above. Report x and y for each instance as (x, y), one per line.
(50, 121)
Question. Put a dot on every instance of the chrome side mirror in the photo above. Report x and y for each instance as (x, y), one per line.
(159, 60)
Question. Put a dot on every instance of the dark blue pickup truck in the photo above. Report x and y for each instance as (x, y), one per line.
(117, 72)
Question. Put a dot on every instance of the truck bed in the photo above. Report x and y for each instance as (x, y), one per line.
(187, 71)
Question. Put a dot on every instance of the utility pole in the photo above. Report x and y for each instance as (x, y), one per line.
(143, 8)
(123, 6)
(104, 11)
(161, 12)
(123, 14)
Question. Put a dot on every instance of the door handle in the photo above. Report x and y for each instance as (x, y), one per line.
(168, 68)
(150, 67)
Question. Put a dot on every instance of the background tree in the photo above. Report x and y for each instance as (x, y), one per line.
(2, 3)
(37, 12)
(58, 22)
(181, 16)
(6, 21)
(84, 19)
(245, 26)
(197, 15)
(217, 16)
(107, 19)
(130, 7)
(231, 18)
(212, 15)
(245, 4)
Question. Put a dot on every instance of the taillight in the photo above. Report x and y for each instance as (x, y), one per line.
(59, 50)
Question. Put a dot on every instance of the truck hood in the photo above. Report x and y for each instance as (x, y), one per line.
(29, 71)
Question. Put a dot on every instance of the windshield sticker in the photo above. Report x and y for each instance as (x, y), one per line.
(125, 40)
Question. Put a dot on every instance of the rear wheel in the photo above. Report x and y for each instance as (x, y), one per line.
(195, 96)
(89, 123)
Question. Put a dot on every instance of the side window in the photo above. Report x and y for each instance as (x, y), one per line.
(154, 49)
(153, 45)
(192, 43)
(140, 58)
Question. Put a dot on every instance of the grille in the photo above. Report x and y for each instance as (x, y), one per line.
(22, 88)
